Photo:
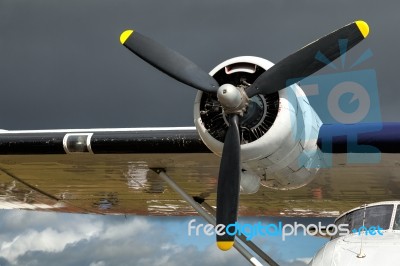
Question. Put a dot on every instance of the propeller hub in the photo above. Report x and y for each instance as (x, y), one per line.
(233, 99)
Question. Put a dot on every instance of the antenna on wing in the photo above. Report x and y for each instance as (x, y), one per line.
(361, 254)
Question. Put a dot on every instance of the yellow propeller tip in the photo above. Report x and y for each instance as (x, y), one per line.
(225, 245)
(363, 27)
(125, 35)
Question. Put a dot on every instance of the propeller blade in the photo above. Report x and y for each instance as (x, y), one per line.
(304, 63)
(229, 182)
(168, 61)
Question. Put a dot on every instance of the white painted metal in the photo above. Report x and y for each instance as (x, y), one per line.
(249, 182)
(378, 249)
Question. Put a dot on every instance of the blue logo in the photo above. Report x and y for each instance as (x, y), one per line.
(347, 96)
(372, 230)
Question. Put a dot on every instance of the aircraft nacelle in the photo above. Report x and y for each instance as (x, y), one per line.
(279, 131)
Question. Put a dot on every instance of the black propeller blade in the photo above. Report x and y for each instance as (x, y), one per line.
(229, 182)
(303, 63)
(168, 61)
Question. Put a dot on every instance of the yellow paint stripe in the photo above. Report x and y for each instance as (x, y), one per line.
(363, 27)
(125, 35)
(225, 245)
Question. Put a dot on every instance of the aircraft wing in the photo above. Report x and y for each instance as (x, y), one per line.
(107, 171)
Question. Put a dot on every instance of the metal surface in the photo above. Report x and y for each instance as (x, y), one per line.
(365, 248)
(122, 183)
(233, 99)
(331, 139)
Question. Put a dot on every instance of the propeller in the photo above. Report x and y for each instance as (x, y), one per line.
(303, 63)
(168, 61)
(229, 181)
(234, 100)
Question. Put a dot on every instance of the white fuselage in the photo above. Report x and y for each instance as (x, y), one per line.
(345, 251)
(373, 237)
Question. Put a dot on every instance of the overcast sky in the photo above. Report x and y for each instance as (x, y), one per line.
(62, 66)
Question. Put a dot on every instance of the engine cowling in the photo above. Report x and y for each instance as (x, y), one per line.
(279, 131)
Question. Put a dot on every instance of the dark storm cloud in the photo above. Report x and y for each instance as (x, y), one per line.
(61, 64)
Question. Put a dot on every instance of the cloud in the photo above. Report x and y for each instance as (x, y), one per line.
(110, 243)
(71, 239)
(98, 263)
(120, 231)
(298, 262)
(47, 240)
